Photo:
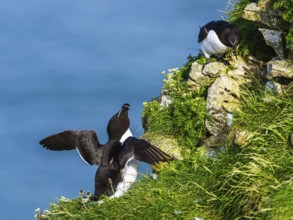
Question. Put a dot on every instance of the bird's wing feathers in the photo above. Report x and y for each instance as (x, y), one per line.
(204, 30)
(65, 140)
(141, 150)
(203, 33)
(110, 151)
(84, 141)
(220, 26)
(217, 26)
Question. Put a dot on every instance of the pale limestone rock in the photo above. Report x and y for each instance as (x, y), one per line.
(280, 68)
(196, 79)
(222, 99)
(166, 143)
(271, 24)
(252, 12)
(280, 75)
(264, 16)
(270, 85)
(216, 123)
(195, 71)
(275, 39)
(242, 137)
(276, 87)
(242, 69)
(224, 92)
(214, 69)
(164, 99)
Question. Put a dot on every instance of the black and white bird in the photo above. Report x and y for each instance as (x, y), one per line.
(217, 38)
(118, 159)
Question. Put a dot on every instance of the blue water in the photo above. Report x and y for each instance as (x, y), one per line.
(68, 64)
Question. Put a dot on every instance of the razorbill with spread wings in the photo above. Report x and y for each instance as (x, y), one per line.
(117, 159)
(217, 38)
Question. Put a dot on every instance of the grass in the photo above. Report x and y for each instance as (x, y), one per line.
(284, 195)
(251, 181)
(265, 161)
(170, 197)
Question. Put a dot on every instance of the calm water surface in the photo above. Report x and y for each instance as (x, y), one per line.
(71, 65)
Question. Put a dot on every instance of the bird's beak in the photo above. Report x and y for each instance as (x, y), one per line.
(234, 45)
(125, 106)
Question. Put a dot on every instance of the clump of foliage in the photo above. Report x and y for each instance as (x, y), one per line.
(184, 115)
(286, 6)
(252, 41)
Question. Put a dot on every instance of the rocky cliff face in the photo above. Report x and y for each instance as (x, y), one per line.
(270, 23)
(224, 82)
(279, 70)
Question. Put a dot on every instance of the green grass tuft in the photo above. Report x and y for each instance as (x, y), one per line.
(172, 196)
(184, 116)
(284, 195)
(265, 160)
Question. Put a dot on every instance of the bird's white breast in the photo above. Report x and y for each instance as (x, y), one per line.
(126, 135)
(212, 45)
(129, 175)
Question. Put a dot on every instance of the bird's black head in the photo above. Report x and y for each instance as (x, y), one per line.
(125, 106)
(119, 123)
(232, 37)
(124, 110)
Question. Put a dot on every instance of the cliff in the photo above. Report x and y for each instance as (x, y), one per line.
(230, 128)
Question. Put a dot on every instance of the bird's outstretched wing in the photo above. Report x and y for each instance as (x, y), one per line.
(141, 150)
(84, 141)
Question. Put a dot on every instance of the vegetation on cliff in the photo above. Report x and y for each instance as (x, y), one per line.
(249, 177)
(252, 41)
(184, 116)
(286, 6)
(251, 181)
